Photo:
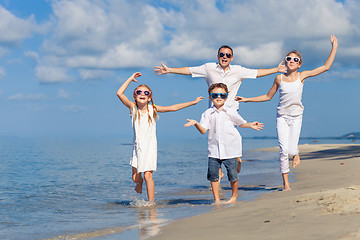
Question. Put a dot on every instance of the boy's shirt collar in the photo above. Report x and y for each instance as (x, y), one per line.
(224, 108)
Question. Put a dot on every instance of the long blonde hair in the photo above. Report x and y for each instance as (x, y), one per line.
(137, 111)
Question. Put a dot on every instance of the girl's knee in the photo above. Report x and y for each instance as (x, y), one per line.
(148, 176)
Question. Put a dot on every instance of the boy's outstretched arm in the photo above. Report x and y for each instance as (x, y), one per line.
(254, 125)
(178, 106)
(120, 92)
(165, 69)
(192, 122)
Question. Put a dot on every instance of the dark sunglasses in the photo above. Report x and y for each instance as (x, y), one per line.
(139, 92)
(228, 55)
(216, 95)
(288, 59)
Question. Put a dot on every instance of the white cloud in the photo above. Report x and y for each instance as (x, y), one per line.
(112, 34)
(120, 56)
(252, 57)
(49, 74)
(109, 34)
(15, 29)
(27, 97)
(93, 74)
(186, 47)
(349, 74)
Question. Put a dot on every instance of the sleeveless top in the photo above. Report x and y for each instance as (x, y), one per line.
(290, 98)
(144, 157)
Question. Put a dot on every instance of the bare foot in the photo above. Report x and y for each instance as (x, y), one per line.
(149, 204)
(138, 186)
(231, 200)
(286, 187)
(296, 161)
(238, 168)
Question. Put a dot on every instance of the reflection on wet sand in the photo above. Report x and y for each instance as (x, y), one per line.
(148, 225)
(148, 221)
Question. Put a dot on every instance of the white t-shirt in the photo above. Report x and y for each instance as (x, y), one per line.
(213, 73)
(224, 140)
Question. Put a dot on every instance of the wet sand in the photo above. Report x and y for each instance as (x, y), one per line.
(324, 204)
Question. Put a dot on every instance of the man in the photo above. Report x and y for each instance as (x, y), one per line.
(222, 72)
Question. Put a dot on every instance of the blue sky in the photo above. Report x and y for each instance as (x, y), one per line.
(61, 62)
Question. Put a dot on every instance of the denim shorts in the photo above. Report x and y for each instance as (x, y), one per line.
(214, 166)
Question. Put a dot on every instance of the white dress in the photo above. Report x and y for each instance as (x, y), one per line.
(144, 156)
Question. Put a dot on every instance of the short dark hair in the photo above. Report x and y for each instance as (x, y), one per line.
(226, 46)
(218, 85)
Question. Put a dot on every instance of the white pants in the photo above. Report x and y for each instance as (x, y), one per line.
(288, 131)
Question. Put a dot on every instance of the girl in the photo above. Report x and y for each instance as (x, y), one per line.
(143, 114)
(290, 108)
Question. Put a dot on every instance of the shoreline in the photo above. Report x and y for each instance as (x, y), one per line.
(324, 203)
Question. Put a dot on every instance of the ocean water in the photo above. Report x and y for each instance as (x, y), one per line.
(82, 189)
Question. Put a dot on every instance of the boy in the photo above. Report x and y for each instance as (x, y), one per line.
(224, 141)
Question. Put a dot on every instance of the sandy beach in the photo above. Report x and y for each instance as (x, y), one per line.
(324, 204)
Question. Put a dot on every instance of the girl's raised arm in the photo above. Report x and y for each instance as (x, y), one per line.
(328, 63)
(178, 106)
(120, 92)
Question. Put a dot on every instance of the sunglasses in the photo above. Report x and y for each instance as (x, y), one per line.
(288, 59)
(146, 93)
(216, 95)
(228, 55)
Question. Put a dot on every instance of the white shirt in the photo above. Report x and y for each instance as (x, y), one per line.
(224, 140)
(213, 73)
